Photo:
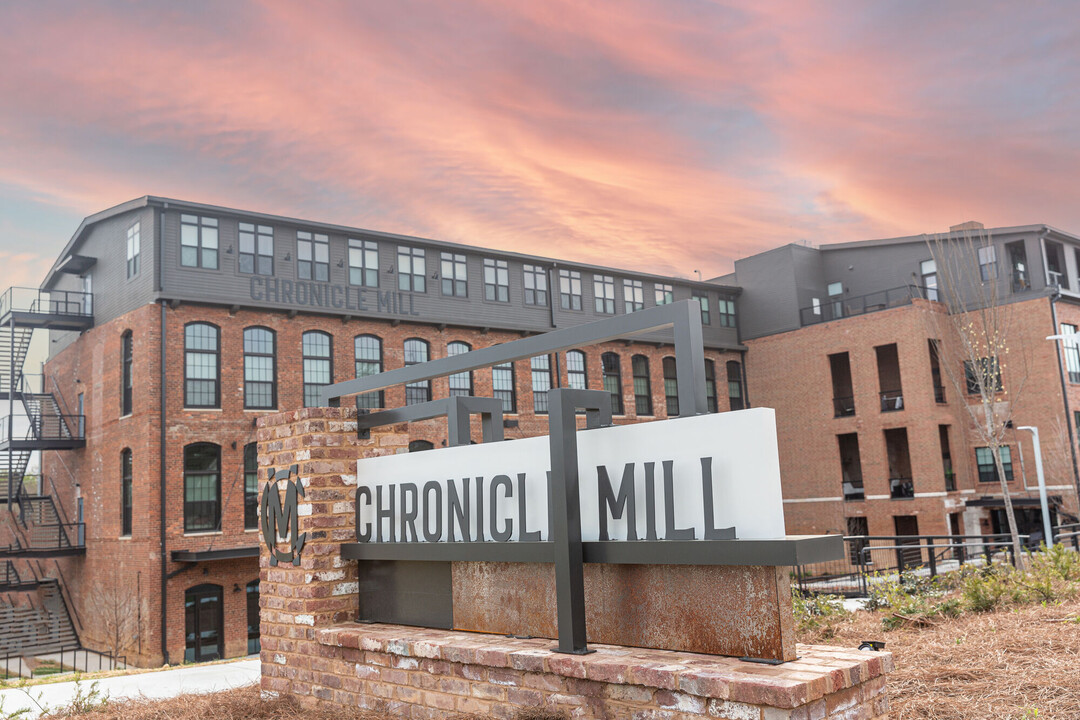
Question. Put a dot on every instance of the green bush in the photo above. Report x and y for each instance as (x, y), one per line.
(986, 589)
(814, 612)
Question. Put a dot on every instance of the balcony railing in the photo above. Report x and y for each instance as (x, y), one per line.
(939, 394)
(891, 400)
(44, 427)
(46, 302)
(843, 406)
(901, 488)
(853, 490)
(837, 308)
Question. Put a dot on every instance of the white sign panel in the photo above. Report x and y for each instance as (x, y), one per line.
(679, 479)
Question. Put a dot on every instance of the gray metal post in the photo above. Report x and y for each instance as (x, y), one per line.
(1048, 530)
(11, 402)
(690, 360)
(566, 508)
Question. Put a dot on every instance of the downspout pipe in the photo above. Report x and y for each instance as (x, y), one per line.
(161, 459)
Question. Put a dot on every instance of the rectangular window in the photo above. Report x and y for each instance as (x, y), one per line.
(710, 386)
(496, 280)
(256, 249)
(671, 386)
(363, 263)
(987, 262)
(1071, 347)
(986, 371)
(502, 383)
(455, 274)
(260, 391)
(369, 361)
(946, 458)
(202, 487)
(461, 384)
(850, 467)
(612, 377)
(639, 365)
(664, 294)
(726, 310)
(984, 458)
(417, 351)
(201, 366)
(633, 295)
(703, 301)
(312, 257)
(536, 286)
(133, 247)
(125, 491)
(928, 269)
(127, 386)
(576, 377)
(541, 383)
(604, 293)
(318, 365)
(570, 289)
(857, 526)
(735, 387)
(199, 242)
(411, 267)
(251, 486)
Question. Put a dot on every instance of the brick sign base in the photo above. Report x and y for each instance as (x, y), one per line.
(312, 646)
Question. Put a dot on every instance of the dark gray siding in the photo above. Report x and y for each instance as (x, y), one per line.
(227, 286)
(114, 293)
(769, 302)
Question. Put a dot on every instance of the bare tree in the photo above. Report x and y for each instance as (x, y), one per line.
(981, 350)
(117, 612)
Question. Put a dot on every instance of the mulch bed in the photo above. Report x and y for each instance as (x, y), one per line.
(1001, 666)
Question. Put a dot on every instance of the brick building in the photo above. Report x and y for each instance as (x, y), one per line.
(874, 438)
(174, 326)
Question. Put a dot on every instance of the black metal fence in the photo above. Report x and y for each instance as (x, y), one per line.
(869, 555)
(61, 662)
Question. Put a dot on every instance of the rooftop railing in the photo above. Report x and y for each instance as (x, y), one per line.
(837, 308)
(46, 302)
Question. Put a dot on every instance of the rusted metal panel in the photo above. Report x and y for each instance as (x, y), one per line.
(742, 611)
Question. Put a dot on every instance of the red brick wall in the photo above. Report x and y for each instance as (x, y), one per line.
(126, 564)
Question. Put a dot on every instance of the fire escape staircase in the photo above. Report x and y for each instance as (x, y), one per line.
(33, 419)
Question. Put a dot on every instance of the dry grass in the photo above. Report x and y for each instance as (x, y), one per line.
(1001, 665)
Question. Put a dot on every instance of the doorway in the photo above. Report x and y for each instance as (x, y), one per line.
(907, 525)
(203, 623)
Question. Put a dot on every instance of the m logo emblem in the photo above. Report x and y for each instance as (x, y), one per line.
(282, 522)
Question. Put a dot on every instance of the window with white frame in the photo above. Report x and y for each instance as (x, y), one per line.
(633, 295)
(455, 278)
(536, 285)
(363, 263)
(726, 310)
(987, 262)
(411, 267)
(703, 301)
(199, 242)
(256, 249)
(570, 289)
(312, 256)
(496, 280)
(133, 247)
(664, 294)
(604, 293)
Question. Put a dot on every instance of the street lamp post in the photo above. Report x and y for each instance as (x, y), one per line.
(1048, 531)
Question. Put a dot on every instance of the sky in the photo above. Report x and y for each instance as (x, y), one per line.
(668, 136)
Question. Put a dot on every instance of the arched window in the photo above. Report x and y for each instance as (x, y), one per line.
(671, 387)
(251, 486)
(460, 383)
(253, 616)
(541, 382)
(612, 374)
(260, 369)
(369, 361)
(202, 366)
(710, 385)
(735, 386)
(576, 377)
(502, 384)
(126, 356)
(420, 445)
(202, 487)
(317, 348)
(417, 351)
(639, 364)
(204, 621)
(125, 492)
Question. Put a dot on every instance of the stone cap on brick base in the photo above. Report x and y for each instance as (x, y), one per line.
(818, 672)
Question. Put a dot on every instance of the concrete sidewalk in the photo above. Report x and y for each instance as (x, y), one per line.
(161, 684)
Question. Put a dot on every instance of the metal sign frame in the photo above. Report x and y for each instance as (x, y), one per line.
(565, 549)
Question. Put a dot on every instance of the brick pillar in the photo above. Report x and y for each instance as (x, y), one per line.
(322, 590)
